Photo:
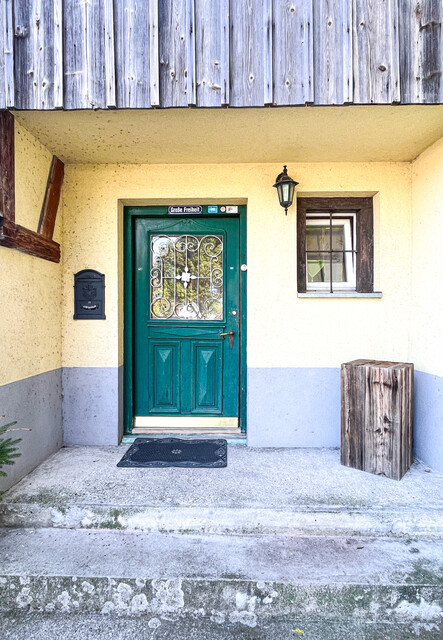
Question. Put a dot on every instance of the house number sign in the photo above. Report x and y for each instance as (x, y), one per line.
(89, 295)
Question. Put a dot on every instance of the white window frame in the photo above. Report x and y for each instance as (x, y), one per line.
(321, 219)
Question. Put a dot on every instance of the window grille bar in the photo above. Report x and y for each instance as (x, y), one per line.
(330, 251)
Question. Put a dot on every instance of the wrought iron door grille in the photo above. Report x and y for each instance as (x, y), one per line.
(186, 277)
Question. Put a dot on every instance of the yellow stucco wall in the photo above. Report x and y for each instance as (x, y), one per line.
(32, 163)
(427, 299)
(30, 288)
(283, 330)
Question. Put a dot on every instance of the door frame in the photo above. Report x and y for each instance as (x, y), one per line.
(130, 213)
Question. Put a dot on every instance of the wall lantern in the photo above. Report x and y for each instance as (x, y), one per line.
(285, 186)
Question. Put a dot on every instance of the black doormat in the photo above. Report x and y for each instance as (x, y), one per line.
(176, 452)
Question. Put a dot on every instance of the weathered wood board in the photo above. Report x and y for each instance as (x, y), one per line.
(89, 54)
(421, 51)
(377, 416)
(294, 52)
(7, 168)
(132, 53)
(7, 63)
(2, 57)
(84, 54)
(51, 200)
(376, 52)
(208, 53)
(246, 53)
(333, 75)
(173, 56)
(33, 50)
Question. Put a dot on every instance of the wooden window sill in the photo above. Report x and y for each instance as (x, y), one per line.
(339, 294)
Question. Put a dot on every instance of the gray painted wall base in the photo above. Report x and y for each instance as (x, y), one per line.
(35, 403)
(293, 407)
(428, 419)
(286, 408)
(92, 410)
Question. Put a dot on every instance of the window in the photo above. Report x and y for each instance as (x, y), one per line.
(335, 245)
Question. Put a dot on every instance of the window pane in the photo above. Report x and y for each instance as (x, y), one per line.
(317, 238)
(317, 267)
(338, 237)
(338, 268)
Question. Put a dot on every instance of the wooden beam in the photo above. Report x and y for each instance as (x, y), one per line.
(13, 235)
(52, 198)
(30, 242)
(7, 169)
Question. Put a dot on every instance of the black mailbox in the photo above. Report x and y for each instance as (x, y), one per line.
(89, 295)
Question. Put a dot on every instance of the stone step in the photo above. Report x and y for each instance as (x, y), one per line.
(299, 520)
(246, 581)
(261, 491)
(17, 626)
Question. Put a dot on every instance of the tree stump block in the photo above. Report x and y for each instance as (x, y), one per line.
(377, 416)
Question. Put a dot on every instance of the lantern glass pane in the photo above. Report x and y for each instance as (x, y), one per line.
(285, 192)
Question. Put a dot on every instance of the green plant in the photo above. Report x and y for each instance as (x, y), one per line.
(8, 448)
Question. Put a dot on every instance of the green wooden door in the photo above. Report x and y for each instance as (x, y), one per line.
(186, 296)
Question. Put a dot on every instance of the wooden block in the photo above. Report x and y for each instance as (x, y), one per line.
(376, 420)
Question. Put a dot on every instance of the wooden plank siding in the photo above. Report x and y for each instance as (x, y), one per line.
(293, 52)
(83, 54)
(173, 58)
(2, 56)
(333, 77)
(246, 54)
(208, 58)
(7, 55)
(421, 51)
(376, 52)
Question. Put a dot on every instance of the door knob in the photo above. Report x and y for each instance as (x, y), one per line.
(231, 335)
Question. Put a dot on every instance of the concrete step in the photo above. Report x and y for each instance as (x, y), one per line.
(19, 626)
(243, 581)
(261, 491)
(308, 519)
